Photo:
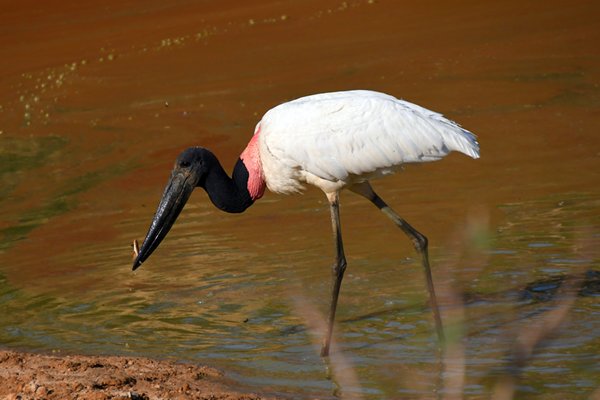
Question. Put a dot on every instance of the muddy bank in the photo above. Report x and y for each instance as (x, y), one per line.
(39, 376)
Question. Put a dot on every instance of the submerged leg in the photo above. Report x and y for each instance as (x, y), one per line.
(419, 241)
(337, 270)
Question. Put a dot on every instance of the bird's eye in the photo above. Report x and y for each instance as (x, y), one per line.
(184, 164)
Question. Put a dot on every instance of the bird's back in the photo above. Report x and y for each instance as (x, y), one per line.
(345, 137)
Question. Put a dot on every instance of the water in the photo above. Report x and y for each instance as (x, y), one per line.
(98, 99)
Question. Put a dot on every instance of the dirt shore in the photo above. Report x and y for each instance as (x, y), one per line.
(39, 376)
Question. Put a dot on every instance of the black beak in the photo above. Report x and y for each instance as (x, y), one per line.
(176, 194)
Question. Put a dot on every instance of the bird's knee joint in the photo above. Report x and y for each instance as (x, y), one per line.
(421, 242)
(339, 267)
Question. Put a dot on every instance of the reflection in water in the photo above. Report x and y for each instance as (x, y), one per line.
(97, 100)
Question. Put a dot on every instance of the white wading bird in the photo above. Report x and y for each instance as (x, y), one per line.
(333, 141)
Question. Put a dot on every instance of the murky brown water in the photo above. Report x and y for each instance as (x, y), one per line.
(97, 100)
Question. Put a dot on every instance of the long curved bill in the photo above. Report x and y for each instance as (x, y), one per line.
(175, 196)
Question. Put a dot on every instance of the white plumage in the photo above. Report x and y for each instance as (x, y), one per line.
(333, 140)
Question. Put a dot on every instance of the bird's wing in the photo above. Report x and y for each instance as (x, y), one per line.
(334, 135)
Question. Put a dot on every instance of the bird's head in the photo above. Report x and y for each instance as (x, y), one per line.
(189, 171)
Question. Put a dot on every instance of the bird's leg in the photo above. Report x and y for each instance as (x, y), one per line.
(338, 267)
(419, 241)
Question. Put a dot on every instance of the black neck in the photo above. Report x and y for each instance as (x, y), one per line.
(227, 194)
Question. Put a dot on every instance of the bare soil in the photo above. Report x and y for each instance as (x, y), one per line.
(40, 376)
